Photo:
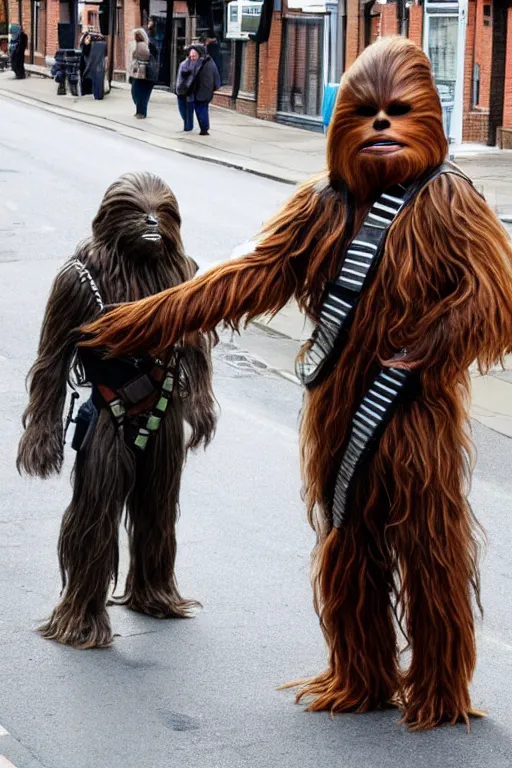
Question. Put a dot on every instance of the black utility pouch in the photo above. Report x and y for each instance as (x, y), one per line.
(84, 424)
(137, 390)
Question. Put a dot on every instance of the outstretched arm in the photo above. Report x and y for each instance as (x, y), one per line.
(240, 290)
(464, 258)
(41, 448)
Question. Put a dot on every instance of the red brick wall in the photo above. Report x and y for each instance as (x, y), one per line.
(248, 80)
(507, 107)
(52, 31)
(475, 123)
(388, 20)
(416, 24)
(352, 41)
(131, 20)
(483, 51)
(475, 127)
(468, 67)
(268, 75)
(13, 12)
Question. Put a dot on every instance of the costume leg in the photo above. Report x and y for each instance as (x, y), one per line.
(353, 585)
(88, 543)
(151, 586)
(434, 534)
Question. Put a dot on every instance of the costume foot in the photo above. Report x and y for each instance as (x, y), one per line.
(334, 694)
(157, 603)
(80, 631)
(431, 714)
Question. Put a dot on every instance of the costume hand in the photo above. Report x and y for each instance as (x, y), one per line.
(40, 453)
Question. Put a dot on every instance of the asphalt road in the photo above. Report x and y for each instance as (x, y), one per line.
(199, 692)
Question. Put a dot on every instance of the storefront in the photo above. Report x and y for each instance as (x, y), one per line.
(444, 40)
(311, 56)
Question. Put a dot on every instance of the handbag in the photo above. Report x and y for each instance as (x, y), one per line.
(152, 69)
(139, 69)
(185, 89)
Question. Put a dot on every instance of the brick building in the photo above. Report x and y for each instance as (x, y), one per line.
(301, 45)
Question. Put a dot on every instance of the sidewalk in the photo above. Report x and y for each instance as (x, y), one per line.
(280, 152)
(286, 154)
(268, 149)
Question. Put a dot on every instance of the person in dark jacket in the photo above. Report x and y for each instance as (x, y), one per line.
(92, 65)
(19, 42)
(198, 79)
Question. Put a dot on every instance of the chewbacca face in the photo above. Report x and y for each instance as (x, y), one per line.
(139, 219)
(387, 126)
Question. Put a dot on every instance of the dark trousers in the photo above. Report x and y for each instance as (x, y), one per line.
(141, 92)
(98, 87)
(187, 109)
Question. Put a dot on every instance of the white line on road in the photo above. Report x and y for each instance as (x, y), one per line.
(10, 205)
(3, 731)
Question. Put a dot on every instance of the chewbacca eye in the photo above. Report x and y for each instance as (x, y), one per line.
(398, 108)
(367, 110)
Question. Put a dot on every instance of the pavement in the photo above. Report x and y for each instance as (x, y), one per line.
(276, 152)
(199, 692)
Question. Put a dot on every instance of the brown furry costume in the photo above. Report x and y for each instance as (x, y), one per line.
(135, 251)
(443, 292)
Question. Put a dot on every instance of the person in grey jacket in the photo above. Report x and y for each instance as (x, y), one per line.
(198, 79)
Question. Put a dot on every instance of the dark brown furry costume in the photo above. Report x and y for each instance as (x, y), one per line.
(135, 251)
(443, 292)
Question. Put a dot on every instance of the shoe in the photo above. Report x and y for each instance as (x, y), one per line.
(204, 133)
(61, 90)
(140, 117)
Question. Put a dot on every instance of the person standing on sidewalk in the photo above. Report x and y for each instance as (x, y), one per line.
(198, 79)
(92, 65)
(142, 71)
(19, 42)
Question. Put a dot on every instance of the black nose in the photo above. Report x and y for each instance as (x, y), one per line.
(151, 220)
(381, 124)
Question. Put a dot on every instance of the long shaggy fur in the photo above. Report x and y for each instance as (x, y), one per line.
(443, 292)
(108, 474)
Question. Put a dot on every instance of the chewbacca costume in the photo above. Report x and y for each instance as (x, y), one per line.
(408, 274)
(130, 435)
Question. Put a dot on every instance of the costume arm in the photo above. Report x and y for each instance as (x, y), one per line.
(239, 290)
(196, 389)
(41, 448)
(463, 257)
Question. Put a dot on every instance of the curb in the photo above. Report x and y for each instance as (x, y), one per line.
(144, 136)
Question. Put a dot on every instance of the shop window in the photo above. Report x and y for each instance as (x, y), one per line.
(301, 66)
(476, 85)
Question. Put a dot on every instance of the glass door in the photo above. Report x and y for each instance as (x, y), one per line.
(444, 43)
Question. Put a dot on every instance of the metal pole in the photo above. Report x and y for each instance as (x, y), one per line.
(32, 25)
(112, 36)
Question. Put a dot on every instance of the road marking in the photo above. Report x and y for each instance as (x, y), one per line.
(5, 763)
(10, 205)
(3, 732)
